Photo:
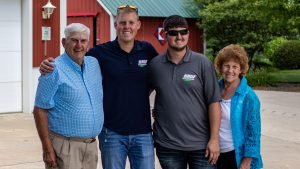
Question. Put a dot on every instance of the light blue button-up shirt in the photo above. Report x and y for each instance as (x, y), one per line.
(73, 96)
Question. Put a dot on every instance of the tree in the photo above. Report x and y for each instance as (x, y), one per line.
(250, 23)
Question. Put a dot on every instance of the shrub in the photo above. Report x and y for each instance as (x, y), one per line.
(258, 77)
(209, 54)
(272, 46)
(287, 56)
(261, 61)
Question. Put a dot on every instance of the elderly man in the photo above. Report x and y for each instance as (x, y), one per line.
(68, 105)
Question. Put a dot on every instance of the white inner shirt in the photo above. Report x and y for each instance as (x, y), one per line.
(226, 142)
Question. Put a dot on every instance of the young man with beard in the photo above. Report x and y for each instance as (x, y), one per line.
(127, 121)
(186, 109)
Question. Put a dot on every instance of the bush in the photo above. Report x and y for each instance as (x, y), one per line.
(258, 77)
(272, 46)
(261, 61)
(287, 56)
(209, 54)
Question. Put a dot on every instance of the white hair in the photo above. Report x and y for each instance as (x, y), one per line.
(76, 27)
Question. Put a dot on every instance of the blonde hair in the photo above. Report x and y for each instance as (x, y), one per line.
(127, 10)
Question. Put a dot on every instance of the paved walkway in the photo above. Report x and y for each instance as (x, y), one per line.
(20, 147)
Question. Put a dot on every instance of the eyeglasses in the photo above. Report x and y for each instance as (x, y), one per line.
(131, 7)
(175, 32)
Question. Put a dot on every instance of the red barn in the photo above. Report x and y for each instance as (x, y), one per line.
(27, 37)
(99, 17)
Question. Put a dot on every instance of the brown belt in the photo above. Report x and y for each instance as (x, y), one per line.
(84, 140)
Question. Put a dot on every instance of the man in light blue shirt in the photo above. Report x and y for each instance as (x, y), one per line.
(68, 108)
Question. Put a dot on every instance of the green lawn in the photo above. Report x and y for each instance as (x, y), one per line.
(285, 76)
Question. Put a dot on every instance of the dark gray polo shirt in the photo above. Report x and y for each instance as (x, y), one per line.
(183, 94)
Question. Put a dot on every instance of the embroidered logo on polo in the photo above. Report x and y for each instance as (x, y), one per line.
(142, 63)
(188, 78)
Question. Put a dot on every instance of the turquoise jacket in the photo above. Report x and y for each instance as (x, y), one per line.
(245, 124)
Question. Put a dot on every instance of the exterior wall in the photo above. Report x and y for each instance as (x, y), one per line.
(31, 10)
(77, 7)
(63, 21)
(52, 47)
(196, 38)
(148, 29)
(27, 60)
(150, 25)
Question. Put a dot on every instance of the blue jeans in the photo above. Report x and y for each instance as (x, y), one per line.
(177, 159)
(115, 148)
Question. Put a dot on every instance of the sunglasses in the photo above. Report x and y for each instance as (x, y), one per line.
(131, 7)
(175, 32)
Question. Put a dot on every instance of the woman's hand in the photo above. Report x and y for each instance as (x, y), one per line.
(246, 163)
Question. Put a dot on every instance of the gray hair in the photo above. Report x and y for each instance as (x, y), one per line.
(76, 27)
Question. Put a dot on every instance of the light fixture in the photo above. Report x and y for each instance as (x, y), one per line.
(48, 10)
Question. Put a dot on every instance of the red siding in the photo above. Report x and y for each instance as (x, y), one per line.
(53, 46)
(148, 29)
(150, 25)
(102, 18)
(196, 36)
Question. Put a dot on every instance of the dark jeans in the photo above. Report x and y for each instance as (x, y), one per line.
(177, 159)
(227, 160)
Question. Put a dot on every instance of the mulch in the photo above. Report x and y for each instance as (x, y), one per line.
(285, 87)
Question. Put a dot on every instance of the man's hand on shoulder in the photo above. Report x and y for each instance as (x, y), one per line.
(46, 66)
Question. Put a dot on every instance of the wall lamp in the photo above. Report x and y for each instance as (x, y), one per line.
(47, 10)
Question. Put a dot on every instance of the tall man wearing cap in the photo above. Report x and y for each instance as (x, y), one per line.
(127, 121)
(187, 111)
(68, 108)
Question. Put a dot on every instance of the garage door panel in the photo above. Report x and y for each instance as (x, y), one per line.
(10, 66)
(11, 57)
(10, 36)
(10, 100)
(10, 10)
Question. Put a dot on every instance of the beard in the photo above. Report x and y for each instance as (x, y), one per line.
(178, 49)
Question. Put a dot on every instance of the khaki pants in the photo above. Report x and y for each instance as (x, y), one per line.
(74, 154)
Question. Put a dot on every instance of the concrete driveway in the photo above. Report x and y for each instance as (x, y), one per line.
(20, 147)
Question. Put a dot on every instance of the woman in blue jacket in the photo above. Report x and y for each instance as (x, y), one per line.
(240, 129)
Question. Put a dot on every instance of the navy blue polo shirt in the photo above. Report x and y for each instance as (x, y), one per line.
(125, 88)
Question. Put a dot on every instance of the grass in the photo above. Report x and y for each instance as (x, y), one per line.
(285, 76)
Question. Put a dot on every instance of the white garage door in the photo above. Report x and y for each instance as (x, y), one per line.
(10, 56)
